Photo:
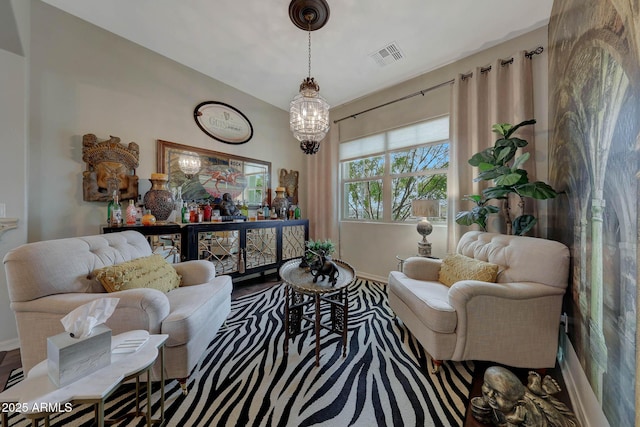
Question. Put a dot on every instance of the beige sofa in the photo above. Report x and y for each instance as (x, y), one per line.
(514, 321)
(48, 279)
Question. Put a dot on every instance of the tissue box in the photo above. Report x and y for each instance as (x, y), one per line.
(70, 359)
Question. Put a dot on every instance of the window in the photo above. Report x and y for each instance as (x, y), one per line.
(254, 191)
(381, 174)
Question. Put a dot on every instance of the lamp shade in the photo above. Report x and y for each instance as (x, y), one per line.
(428, 208)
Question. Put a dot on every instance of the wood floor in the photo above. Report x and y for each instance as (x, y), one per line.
(10, 360)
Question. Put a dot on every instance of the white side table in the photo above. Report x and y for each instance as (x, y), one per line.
(37, 391)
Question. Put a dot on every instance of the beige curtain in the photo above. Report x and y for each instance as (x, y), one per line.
(322, 179)
(504, 94)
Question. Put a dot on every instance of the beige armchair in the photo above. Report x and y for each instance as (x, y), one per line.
(48, 279)
(514, 321)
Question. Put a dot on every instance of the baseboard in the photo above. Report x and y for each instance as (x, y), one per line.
(585, 404)
(9, 344)
(372, 277)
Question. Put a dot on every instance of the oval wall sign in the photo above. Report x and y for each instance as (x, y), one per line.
(223, 122)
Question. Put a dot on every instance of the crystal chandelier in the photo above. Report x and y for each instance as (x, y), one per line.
(308, 111)
(189, 164)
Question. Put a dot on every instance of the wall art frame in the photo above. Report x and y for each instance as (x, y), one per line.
(223, 122)
(244, 178)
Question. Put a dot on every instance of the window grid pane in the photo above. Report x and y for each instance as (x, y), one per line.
(420, 159)
(406, 189)
(364, 168)
(364, 200)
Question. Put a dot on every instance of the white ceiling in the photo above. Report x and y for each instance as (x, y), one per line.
(253, 46)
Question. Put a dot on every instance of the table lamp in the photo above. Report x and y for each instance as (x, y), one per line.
(424, 208)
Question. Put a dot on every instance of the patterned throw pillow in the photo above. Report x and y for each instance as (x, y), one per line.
(458, 267)
(148, 272)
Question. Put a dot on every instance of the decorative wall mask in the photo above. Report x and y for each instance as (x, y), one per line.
(289, 180)
(110, 166)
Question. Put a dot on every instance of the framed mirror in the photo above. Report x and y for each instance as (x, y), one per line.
(206, 175)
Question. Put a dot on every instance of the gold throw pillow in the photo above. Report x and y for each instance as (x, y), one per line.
(148, 272)
(456, 267)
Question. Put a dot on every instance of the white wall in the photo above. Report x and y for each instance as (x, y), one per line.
(13, 154)
(87, 80)
(372, 248)
(76, 79)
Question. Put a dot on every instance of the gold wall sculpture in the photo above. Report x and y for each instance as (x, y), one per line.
(110, 166)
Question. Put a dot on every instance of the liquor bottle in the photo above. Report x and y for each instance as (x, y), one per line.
(185, 213)
(244, 209)
(131, 213)
(193, 212)
(207, 212)
(110, 210)
(139, 209)
(116, 212)
(266, 212)
(176, 214)
(296, 213)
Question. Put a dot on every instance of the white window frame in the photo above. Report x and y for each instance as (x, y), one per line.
(382, 149)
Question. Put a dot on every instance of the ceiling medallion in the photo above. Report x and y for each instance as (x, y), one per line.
(309, 15)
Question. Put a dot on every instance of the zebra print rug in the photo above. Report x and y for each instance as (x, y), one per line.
(245, 379)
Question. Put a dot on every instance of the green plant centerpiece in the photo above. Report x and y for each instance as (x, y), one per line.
(316, 248)
(500, 165)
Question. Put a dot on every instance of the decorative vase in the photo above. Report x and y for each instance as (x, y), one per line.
(280, 203)
(159, 199)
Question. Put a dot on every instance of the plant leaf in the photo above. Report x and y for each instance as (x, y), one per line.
(520, 161)
(486, 166)
(485, 156)
(473, 197)
(517, 142)
(537, 190)
(501, 128)
(464, 218)
(518, 126)
(489, 209)
(522, 224)
(497, 192)
(509, 179)
(502, 154)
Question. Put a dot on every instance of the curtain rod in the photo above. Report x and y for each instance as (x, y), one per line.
(529, 55)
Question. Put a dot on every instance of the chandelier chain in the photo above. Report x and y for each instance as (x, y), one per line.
(309, 51)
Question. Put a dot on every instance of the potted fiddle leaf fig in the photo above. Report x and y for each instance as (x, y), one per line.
(500, 165)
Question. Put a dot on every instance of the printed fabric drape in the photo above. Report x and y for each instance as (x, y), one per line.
(503, 94)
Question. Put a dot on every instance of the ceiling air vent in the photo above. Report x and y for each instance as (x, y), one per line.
(387, 55)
